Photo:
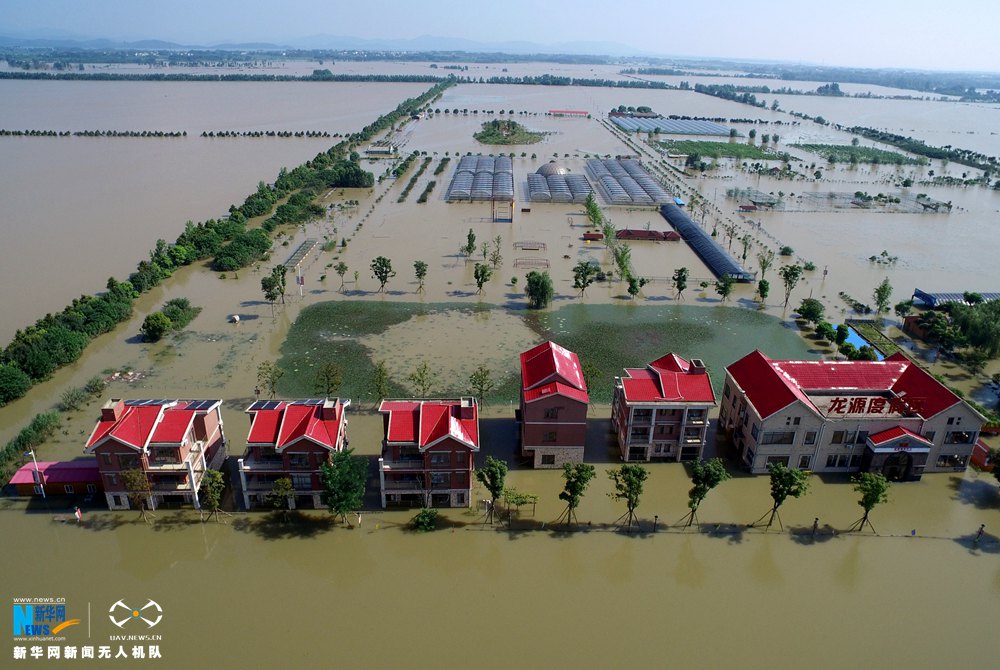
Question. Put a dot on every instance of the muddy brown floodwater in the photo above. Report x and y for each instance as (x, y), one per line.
(257, 591)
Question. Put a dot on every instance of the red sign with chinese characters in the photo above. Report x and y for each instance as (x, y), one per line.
(866, 405)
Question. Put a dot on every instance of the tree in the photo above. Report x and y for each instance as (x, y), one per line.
(268, 375)
(590, 374)
(138, 490)
(705, 476)
(903, 309)
(210, 493)
(881, 296)
(271, 289)
(724, 287)
(826, 331)
(790, 275)
(680, 279)
(329, 376)
(380, 381)
(635, 284)
(470, 244)
(155, 326)
(482, 274)
(492, 476)
(13, 383)
(482, 382)
(496, 257)
(341, 269)
(811, 310)
(628, 479)
(584, 274)
(420, 270)
(874, 490)
(280, 274)
(577, 476)
(842, 334)
(745, 242)
(281, 496)
(622, 255)
(763, 289)
(343, 478)
(382, 270)
(422, 378)
(538, 287)
(785, 482)
(425, 520)
(765, 259)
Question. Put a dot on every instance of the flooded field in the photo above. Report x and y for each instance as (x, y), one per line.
(922, 594)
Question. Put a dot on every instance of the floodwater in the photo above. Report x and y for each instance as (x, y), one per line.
(920, 595)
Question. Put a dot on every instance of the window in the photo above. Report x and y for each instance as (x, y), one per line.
(792, 420)
(128, 461)
(38, 490)
(952, 461)
(754, 432)
(301, 482)
(111, 479)
(748, 457)
(778, 459)
(298, 460)
(958, 437)
(91, 488)
(550, 436)
(106, 459)
(810, 438)
(850, 436)
(804, 462)
(776, 437)
(929, 436)
(552, 413)
(548, 459)
(838, 437)
(862, 436)
(460, 498)
(856, 460)
(440, 458)
(725, 391)
(840, 460)
(440, 479)
(68, 488)
(831, 461)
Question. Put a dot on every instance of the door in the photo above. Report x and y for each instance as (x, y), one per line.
(898, 466)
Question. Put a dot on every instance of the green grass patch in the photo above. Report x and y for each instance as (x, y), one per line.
(716, 149)
(609, 337)
(875, 337)
(505, 131)
(846, 153)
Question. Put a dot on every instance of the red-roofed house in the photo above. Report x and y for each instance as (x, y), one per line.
(887, 416)
(427, 452)
(172, 441)
(554, 402)
(661, 410)
(291, 440)
(61, 478)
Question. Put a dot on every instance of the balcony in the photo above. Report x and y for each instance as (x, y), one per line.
(692, 439)
(193, 457)
(696, 420)
(403, 464)
(169, 485)
(404, 485)
(270, 464)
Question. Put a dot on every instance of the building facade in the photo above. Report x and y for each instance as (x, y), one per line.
(291, 440)
(887, 416)
(172, 441)
(428, 452)
(58, 478)
(661, 411)
(554, 402)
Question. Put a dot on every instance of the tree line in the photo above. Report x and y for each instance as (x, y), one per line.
(92, 133)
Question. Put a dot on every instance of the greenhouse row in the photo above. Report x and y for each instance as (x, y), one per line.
(482, 178)
(626, 182)
(669, 126)
(708, 250)
(558, 188)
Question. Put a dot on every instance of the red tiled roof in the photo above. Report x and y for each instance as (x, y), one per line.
(424, 422)
(172, 427)
(550, 362)
(59, 472)
(554, 388)
(289, 422)
(667, 379)
(894, 433)
(773, 385)
(133, 427)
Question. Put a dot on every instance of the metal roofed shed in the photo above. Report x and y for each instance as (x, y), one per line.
(935, 299)
(482, 178)
(709, 251)
(626, 182)
(669, 126)
(553, 182)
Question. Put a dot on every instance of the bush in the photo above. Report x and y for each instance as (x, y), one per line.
(155, 326)
(95, 385)
(786, 251)
(72, 399)
(425, 520)
(13, 383)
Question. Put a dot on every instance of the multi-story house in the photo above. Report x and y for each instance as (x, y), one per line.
(661, 411)
(291, 440)
(554, 402)
(887, 416)
(172, 441)
(428, 452)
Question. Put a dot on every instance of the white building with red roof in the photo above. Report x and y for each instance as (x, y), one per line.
(888, 416)
(291, 440)
(554, 402)
(428, 452)
(172, 441)
(661, 411)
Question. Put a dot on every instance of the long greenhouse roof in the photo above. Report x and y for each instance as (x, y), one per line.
(711, 252)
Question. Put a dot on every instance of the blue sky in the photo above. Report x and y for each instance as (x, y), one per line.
(919, 34)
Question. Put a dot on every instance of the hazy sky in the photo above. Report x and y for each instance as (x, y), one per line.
(923, 34)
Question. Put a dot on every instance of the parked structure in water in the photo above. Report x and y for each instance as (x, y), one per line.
(427, 452)
(887, 416)
(554, 402)
(291, 440)
(172, 441)
(661, 411)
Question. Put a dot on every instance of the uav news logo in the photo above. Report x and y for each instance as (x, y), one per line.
(120, 614)
(40, 617)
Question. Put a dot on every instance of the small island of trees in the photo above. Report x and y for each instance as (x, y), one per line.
(505, 131)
